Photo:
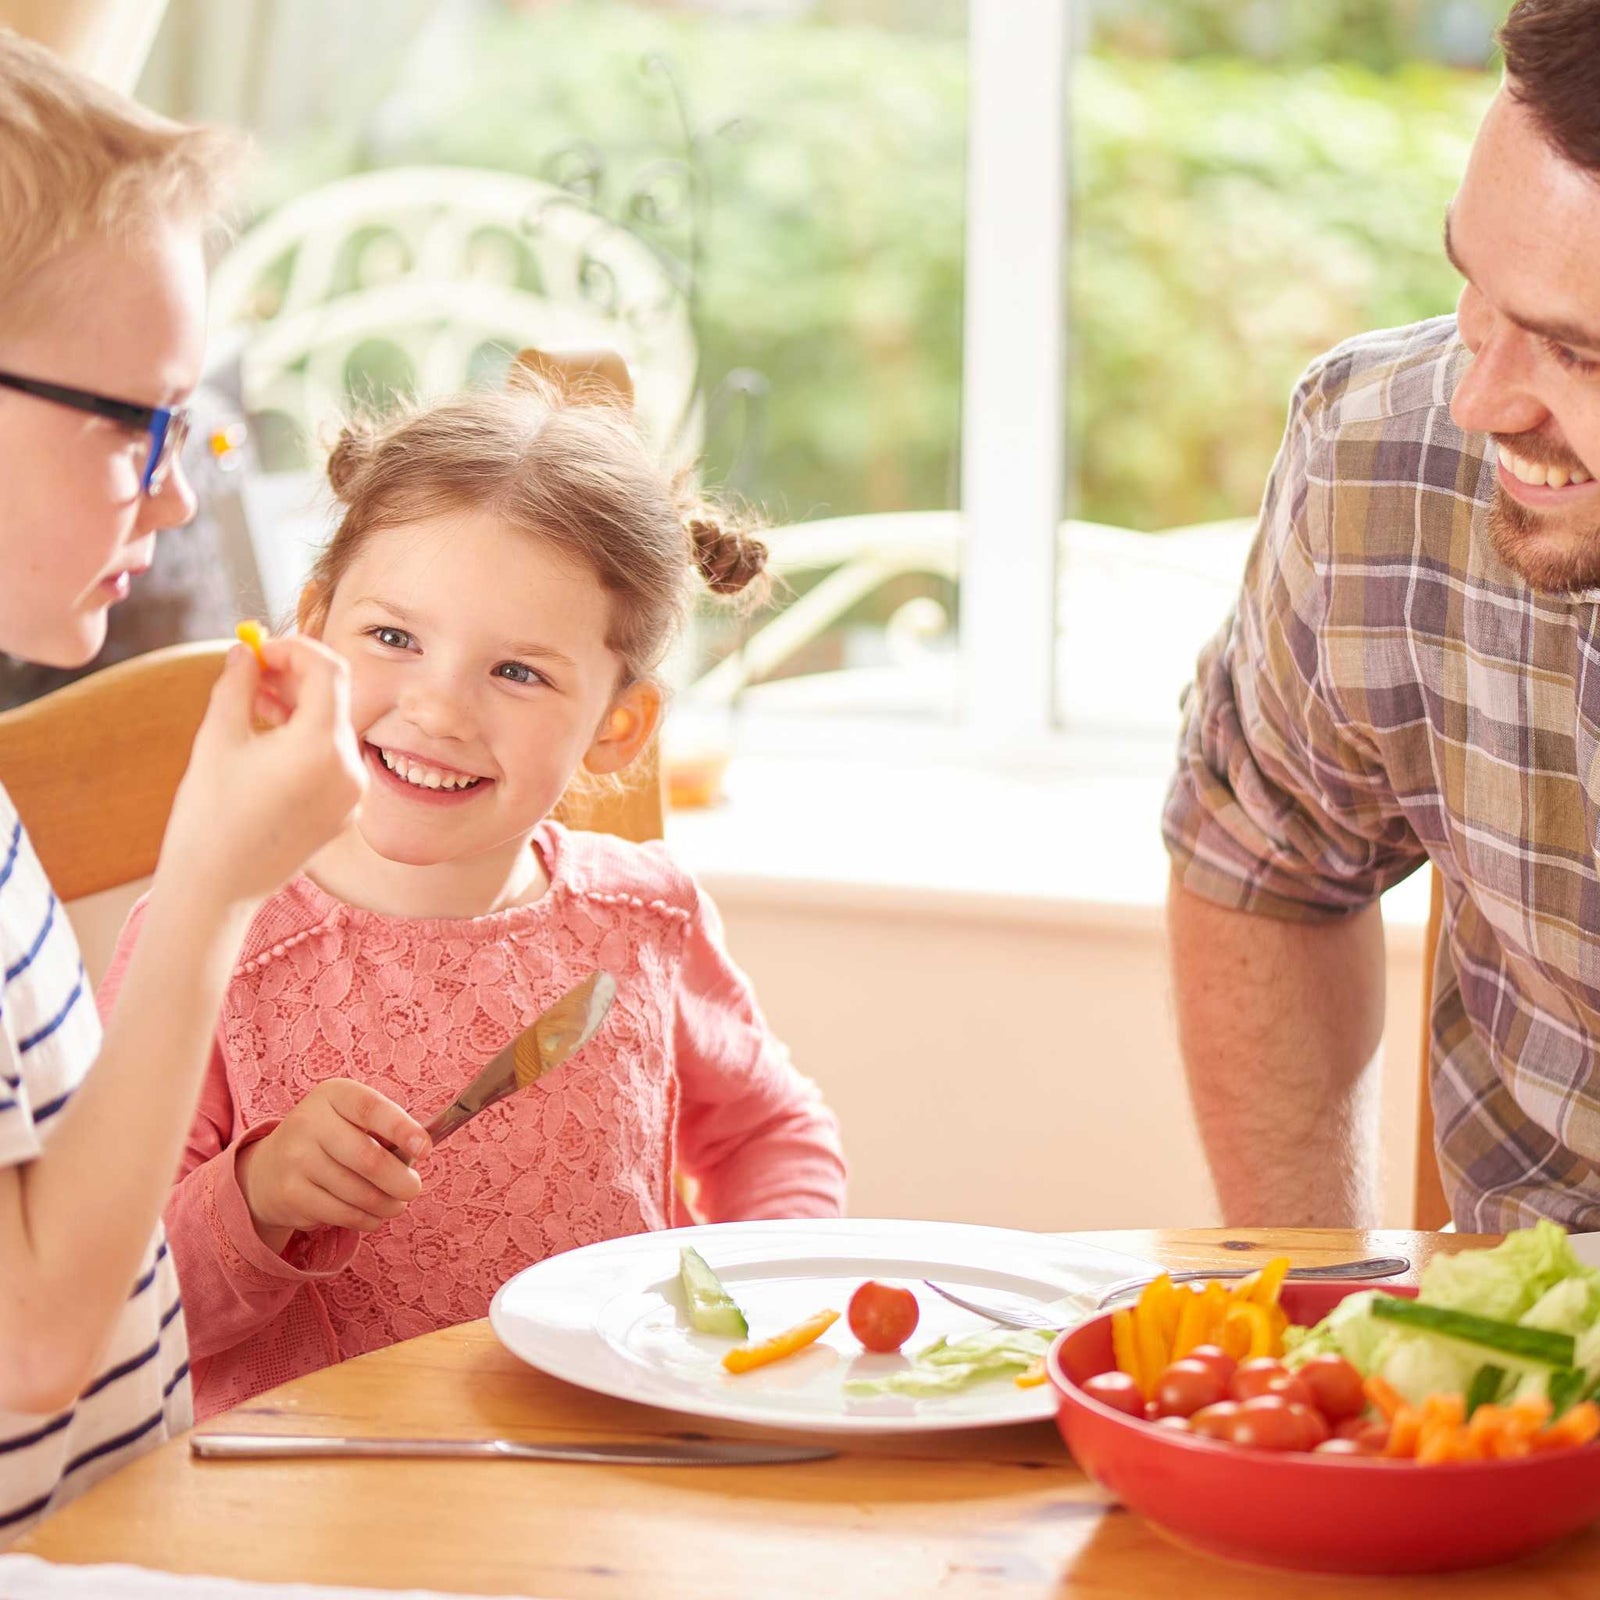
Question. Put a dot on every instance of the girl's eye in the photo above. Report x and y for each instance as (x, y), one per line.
(518, 672)
(394, 638)
(1570, 359)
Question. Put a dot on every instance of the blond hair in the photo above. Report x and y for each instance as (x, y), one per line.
(567, 467)
(79, 160)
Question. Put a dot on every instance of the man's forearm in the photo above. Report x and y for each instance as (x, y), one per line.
(1278, 1022)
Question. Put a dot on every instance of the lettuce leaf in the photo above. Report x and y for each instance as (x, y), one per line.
(1508, 1280)
(948, 1365)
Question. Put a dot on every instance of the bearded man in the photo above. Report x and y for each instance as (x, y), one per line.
(1412, 673)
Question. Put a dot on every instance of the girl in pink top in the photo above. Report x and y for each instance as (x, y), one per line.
(506, 578)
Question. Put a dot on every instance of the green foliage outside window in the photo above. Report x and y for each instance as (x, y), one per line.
(1231, 219)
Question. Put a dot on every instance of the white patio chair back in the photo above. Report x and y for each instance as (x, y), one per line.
(435, 277)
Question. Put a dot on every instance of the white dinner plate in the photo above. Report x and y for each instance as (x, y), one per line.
(1586, 1247)
(609, 1317)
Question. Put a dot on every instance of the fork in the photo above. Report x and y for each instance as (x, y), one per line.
(1338, 1272)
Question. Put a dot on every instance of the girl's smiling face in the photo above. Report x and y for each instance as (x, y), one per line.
(481, 681)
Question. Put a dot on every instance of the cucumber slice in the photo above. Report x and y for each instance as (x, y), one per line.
(710, 1306)
(1485, 1387)
(1564, 1389)
(1533, 1346)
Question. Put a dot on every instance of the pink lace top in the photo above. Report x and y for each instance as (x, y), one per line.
(684, 1076)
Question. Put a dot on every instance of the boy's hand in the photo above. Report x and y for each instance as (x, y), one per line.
(275, 773)
(322, 1166)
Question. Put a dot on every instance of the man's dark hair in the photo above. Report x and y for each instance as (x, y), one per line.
(1552, 51)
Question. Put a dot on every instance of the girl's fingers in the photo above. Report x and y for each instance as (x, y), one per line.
(369, 1112)
(351, 1189)
(324, 1209)
(309, 679)
(368, 1163)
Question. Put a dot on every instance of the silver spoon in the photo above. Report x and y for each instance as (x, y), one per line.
(1339, 1272)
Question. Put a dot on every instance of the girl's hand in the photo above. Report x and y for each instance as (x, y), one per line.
(322, 1166)
(275, 773)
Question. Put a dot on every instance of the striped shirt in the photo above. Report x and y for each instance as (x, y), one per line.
(49, 1037)
(1387, 692)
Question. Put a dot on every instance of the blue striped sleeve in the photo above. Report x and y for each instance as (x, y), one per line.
(44, 1030)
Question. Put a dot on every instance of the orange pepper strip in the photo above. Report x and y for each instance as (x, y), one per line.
(1032, 1375)
(1153, 1348)
(1245, 1289)
(1269, 1281)
(1159, 1305)
(1191, 1321)
(253, 634)
(1217, 1302)
(746, 1357)
(1125, 1344)
(1255, 1318)
(1383, 1394)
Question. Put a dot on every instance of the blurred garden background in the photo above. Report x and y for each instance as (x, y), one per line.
(1253, 180)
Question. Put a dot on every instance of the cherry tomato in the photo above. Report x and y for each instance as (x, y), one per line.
(1255, 1377)
(1313, 1425)
(1117, 1390)
(1267, 1423)
(1293, 1389)
(1368, 1432)
(1335, 1387)
(883, 1317)
(1187, 1387)
(1216, 1422)
(1176, 1424)
(1214, 1357)
(1341, 1447)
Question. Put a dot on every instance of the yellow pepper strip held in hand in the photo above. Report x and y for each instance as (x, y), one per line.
(746, 1357)
(252, 634)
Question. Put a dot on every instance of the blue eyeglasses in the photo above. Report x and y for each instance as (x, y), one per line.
(166, 426)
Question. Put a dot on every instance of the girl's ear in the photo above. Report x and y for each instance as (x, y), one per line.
(628, 726)
(311, 613)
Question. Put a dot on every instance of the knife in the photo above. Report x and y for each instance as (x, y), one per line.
(553, 1036)
(666, 1453)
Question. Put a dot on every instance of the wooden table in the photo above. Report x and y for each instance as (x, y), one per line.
(1001, 1514)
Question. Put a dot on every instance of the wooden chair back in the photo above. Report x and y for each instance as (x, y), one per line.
(1430, 1209)
(93, 768)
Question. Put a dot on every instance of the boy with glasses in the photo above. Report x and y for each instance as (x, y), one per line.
(103, 209)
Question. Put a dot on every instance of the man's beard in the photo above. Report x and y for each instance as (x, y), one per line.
(1541, 546)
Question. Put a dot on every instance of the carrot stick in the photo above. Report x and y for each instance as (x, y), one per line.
(1383, 1394)
(746, 1357)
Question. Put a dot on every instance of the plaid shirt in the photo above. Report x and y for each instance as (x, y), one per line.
(1388, 692)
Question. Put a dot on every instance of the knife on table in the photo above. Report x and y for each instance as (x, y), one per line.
(541, 1047)
(644, 1453)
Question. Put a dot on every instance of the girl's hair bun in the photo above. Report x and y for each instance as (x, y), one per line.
(730, 560)
(352, 452)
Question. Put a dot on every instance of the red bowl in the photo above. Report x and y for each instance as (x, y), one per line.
(1316, 1513)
